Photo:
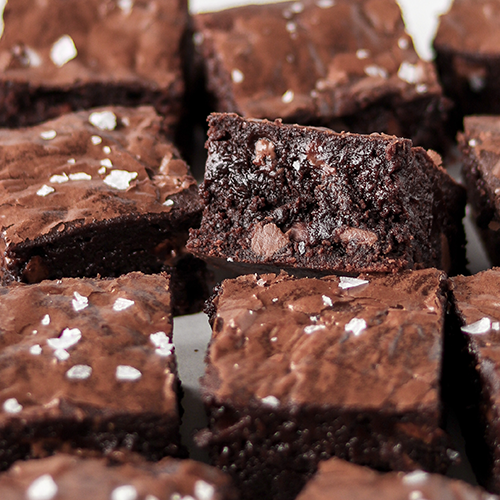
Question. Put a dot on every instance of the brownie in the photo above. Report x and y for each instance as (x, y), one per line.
(345, 64)
(480, 147)
(65, 477)
(305, 198)
(300, 370)
(340, 480)
(98, 192)
(62, 55)
(472, 370)
(467, 48)
(88, 364)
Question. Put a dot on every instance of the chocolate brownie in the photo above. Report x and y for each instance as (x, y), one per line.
(98, 192)
(62, 55)
(65, 477)
(467, 48)
(344, 64)
(480, 147)
(300, 370)
(88, 364)
(344, 481)
(472, 370)
(304, 198)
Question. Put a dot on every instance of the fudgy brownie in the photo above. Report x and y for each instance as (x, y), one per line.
(344, 481)
(345, 64)
(88, 364)
(62, 55)
(300, 370)
(98, 192)
(306, 198)
(472, 370)
(467, 48)
(65, 477)
(480, 147)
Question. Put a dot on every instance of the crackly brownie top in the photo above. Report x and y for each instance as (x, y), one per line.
(58, 43)
(64, 477)
(478, 309)
(471, 26)
(76, 344)
(318, 57)
(86, 167)
(371, 342)
(481, 141)
(343, 480)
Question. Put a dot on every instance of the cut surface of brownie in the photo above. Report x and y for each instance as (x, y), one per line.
(305, 198)
(65, 477)
(88, 364)
(341, 480)
(344, 64)
(472, 370)
(480, 147)
(300, 370)
(98, 192)
(467, 48)
(62, 55)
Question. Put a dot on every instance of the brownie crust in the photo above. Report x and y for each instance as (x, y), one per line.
(309, 199)
(347, 65)
(80, 368)
(64, 55)
(74, 478)
(302, 370)
(98, 192)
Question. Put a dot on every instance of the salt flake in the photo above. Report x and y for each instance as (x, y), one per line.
(80, 176)
(126, 372)
(106, 163)
(271, 401)
(79, 372)
(47, 135)
(481, 326)
(327, 300)
(355, 326)
(46, 320)
(12, 405)
(59, 179)
(288, 97)
(105, 120)
(43, 488)
(237, 76)
(362, 54)
(45, 190)
(61, 354)
(95, 139)
(68, 338)
(125, 492)
(121, 304)
(63, 51)
(410, 73)
(125, 6)
(79, 302)
(168, 203)
(36, 350)
(162, 343)
(203, 490)
(313, 328)
(348, 282)
(376, 71)
(415, 477)
(325, 4)
(120, 179)
(106, 150)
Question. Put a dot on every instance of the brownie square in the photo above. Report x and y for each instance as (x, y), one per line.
(300, 370)
(72, 478)
(345, 64)
(58, 56)
(305, 198)
(480, 147)
(88, 364)
(472, 369)
(467, 48)
(340, 480)
(98, 192)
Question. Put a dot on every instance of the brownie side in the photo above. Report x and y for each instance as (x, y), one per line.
(480, 148)
(299, 370)
(98, 192)
(345, 64)
(62, 56)
(343, 481)
(75, 478)
(88, 364)
(468, 57)
(473, 361)
(304, 198)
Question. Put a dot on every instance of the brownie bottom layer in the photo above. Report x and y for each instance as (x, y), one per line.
(271, 455)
